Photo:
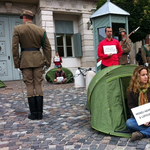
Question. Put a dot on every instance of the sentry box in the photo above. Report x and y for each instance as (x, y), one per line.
(107, 15)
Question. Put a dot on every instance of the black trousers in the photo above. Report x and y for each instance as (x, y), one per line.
(103, 66)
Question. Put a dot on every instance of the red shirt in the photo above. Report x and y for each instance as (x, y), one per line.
(57, 63)
(114, 59)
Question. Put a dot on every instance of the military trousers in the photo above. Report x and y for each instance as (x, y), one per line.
(33, 77)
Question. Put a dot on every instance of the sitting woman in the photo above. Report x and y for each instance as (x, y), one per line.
(139, 94)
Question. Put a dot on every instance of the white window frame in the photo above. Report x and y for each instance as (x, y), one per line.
(65, 45)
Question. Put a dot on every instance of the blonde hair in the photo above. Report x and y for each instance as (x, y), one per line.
(135, 80)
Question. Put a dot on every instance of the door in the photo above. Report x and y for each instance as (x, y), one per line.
(7, 70)
(5, 52)
(15, 20)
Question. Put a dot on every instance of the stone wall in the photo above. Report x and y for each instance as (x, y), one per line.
(15, 8)
(44, 17)
(79, 8)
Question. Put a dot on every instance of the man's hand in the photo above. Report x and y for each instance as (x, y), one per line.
(147, 124)
(20, 72)
(109, 55)
(146, 64)
(45, 68)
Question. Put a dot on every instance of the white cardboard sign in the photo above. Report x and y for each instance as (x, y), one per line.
(142, 113)
(110, 49)
(60, 79)
(57, 59)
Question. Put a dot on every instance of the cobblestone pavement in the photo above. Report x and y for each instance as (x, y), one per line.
(66, 123)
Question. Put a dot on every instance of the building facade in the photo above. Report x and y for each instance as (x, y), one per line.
(66, 23)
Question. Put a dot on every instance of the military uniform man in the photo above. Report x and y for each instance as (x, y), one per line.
(31, 38)
(145, 52)
(126, 47)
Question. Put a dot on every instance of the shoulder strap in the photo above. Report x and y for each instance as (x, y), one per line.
(44, 40)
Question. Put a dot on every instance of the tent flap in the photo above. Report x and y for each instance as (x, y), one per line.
(116, 104)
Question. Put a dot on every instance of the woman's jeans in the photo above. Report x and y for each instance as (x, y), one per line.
(133, 126)
(56, 66)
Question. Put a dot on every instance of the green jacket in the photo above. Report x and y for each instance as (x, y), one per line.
(145, 52)
(30, 36)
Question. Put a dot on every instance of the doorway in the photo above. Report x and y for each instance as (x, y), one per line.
(115, 27)
(7, 70)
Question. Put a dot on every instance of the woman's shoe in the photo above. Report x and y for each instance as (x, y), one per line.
(136, 136)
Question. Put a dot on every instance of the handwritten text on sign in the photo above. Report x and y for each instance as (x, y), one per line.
(57, 59)
(142, 113)
(60, 79)
(110, 49)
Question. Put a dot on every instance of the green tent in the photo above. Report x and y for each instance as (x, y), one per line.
(50, 75)
(107, 100)
(2, 84)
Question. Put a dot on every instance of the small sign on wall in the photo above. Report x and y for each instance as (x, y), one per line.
(142, 113)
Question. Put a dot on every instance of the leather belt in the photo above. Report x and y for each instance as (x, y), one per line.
(125, 54)
(30, 49)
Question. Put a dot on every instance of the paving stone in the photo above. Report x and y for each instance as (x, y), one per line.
(69, 147)
(124, 139)
(77, 146)
(5, 142)
(142, 143)
(130, 148)
(133, 144)
(4, 148)
(140, 147)
(93, 146)
(119, 148)
(113, 142)
(102, 146)
(65, 124)
(122, 143)
(110, 147)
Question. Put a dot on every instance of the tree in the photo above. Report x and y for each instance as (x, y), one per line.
(139, 16)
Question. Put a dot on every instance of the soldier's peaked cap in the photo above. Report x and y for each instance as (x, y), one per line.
(25, 12)
(122, 30)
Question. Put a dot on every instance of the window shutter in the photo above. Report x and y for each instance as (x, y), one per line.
(64, 27)
(56, 50)
(68, 27)
(77, 45)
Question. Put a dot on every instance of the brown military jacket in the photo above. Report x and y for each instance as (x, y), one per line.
(145, 53)
(126, 47)
(30, 36)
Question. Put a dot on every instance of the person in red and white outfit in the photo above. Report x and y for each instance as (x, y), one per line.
(57, 60)
(109, 50)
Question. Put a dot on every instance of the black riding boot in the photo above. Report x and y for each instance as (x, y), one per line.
(32, 107)
(39, 106)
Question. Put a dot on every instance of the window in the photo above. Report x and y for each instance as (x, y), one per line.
(101, 33)
(67, 43)
(60, 45)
